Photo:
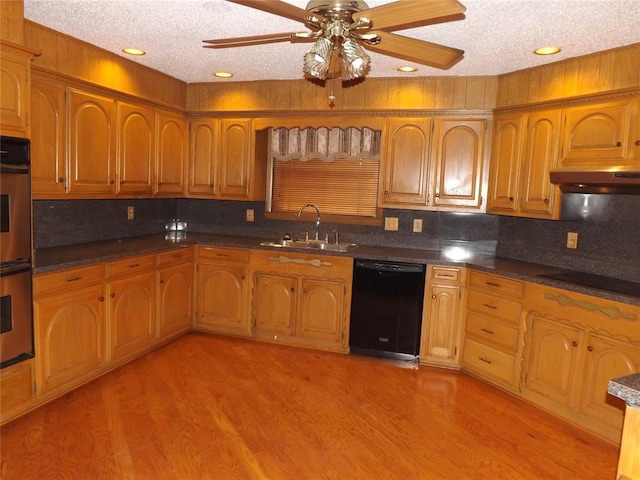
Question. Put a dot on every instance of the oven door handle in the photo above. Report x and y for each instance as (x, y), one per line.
(14, 269)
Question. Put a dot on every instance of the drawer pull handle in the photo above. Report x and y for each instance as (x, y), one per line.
(488, 305)
(73, 279)
(493, 284)
(486, 330)
(221, 254)
(484, 360)
(177, 255)
(134, 265)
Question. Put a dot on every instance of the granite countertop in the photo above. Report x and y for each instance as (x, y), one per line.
(626, 388)
(57, 258)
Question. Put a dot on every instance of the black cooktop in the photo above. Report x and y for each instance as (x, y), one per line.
(624, 287)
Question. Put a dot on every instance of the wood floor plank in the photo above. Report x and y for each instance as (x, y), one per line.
(208, 407)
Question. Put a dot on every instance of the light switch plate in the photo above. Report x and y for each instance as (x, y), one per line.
(417, 225)
(391, 224)
(572, 240)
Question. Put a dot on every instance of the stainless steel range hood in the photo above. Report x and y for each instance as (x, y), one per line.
(597, 181)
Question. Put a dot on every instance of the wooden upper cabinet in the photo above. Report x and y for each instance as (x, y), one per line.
(405, 162)
(234, 165)
(203, 157)
(172, 154)
(538, 196)
(597, 135)
(92, 145)
(457, 162)
(15, 90)
(48, 165)
(504, 171)
(136, 149)
(635, 134)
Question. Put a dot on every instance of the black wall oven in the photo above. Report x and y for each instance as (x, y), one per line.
(16, 307)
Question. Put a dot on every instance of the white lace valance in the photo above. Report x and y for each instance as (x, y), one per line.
(325, 143)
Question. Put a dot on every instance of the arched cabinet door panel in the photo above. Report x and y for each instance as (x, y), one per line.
(92, 143)
(222, 298)
(172, 155)
(136, 148)
(274, 304)
(321, 310)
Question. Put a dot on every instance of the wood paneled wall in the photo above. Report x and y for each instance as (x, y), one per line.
(600, 72)
(11, 26)
(418, 93)
(66, 55)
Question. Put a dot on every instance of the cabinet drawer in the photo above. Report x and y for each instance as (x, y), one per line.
(73, 278)
(450, 274)
(494, 306)
(131, 265)
(496, 283)
(496, 332)
(482, 358)
(16, 385)
(223, 255)
(176, 256)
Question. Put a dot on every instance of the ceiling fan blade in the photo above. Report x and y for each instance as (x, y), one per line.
(412, 13)
(418, 51)
(250, 40)
(276, 7)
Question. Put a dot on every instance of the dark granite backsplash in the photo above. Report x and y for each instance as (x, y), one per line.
(69, 222)
(608, 227)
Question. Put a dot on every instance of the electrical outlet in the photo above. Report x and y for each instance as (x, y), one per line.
(391, 224)
(572, 240)
(130, 214)
(250, 215)
(417, 225)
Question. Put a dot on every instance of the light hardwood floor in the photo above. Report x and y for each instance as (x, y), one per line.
(208, 407)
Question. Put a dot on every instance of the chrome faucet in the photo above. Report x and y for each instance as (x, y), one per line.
(317, 216)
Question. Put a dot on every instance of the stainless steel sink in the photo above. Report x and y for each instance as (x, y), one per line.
(310, 245)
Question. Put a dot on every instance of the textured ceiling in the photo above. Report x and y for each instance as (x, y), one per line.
(498, 36)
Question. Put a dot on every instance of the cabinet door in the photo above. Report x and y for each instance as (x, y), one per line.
(405, 164)
(440, 338)
(171, 160)
(504, 172)
(48, 172)
(605, 359)
(91, 131)
(458, 158)
(537, 194)
(15, 73)
(203, 157)
(222, 298)
(70, 336)
(554, 357)
(635, 135)
(274, 304)
(234, 163)
(597, 135)
(322, 310)
(136, 148)
(131, 314)
(175, 299)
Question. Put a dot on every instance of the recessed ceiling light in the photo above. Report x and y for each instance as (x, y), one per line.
(134, 51)
(407, 69)
(223, 74)
(546, 50)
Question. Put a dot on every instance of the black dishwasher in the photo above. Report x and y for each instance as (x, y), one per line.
(386, 308)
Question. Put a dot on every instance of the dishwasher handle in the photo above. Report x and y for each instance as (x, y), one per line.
(390, 266)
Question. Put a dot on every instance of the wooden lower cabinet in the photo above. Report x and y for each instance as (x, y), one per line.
(441, 324)
(69, 331)
(174, 301)
(574, 345)
(17, 387)
(222, 290)
(301, 299)
(629, 461)
(131, 305)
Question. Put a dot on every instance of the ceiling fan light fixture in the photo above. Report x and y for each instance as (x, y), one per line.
(317, 60)
(353, 60)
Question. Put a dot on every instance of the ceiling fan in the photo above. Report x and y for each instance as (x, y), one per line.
(341, 28)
